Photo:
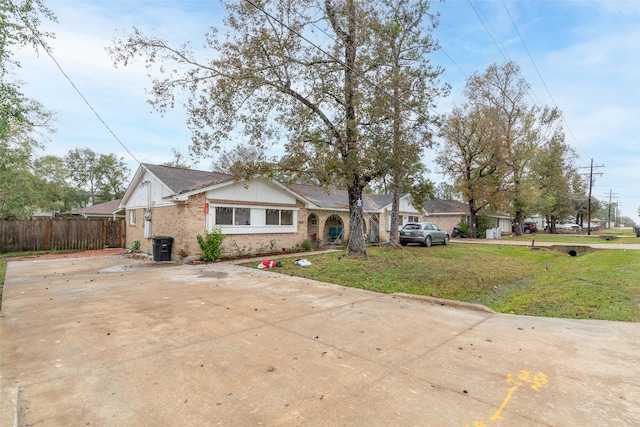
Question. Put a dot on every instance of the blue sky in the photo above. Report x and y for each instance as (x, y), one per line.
(582, 56)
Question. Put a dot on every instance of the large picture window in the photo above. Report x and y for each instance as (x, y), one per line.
(253, 220)
(242, 216)
(273, 217)
(224, 215)
(279, 217)
(286, 217)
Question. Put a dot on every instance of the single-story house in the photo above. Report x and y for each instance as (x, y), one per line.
(447, 214)
(110, 210)
(261, 215)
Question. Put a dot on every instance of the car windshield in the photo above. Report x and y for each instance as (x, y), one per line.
(412, 227)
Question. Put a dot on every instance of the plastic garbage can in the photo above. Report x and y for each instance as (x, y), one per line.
(162, 248)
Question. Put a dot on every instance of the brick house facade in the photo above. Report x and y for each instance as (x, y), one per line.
(258, 216)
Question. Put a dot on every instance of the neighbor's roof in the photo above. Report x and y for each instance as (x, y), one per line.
(181, 180)
(332, 198)
(439, 206)
(101, 209)
(450, 207)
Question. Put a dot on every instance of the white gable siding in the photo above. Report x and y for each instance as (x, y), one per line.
(149, 192)
(258, 191)
(407, 206)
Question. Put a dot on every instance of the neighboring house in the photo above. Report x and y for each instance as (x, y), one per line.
(110, 210)
(260, 215)
(447, 214)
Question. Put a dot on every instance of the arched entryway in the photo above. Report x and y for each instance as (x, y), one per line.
(334, 230)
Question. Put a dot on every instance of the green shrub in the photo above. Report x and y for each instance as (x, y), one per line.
(136, 246)
(483, 223)
(210, 244)
(306, 245)
(465, 228)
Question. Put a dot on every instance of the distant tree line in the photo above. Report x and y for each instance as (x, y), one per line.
(30, 183)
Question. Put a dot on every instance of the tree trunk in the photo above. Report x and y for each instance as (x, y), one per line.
(395, 216)
(357, 242)
(473, 227)
(357, 245)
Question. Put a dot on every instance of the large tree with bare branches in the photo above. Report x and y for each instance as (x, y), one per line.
(300, 71)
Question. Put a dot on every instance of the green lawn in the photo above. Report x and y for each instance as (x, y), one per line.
(598, 285)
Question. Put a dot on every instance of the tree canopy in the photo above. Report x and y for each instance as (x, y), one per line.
(504, 153)
(305, 72)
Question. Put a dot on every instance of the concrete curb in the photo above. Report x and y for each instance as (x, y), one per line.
(447, 302)
(16, 406)
(10, 406)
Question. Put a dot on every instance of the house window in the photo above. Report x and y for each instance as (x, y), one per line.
(411, 218)
(286, 217)
(279, 217)
(132, 217)
(242, 216)
(273, 217)
(224, 215)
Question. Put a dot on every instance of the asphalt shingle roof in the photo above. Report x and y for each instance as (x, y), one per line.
(332, 198)
(107, 208)
(444, 206)
(181, 180)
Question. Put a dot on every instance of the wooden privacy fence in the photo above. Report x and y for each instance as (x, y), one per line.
(61, 234)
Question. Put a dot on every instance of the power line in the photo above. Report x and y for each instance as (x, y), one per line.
(544, 83)
(47, 50)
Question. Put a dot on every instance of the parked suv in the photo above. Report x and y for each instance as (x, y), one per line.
(424, 233)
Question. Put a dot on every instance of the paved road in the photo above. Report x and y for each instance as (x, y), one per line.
(583, 242)
(117, 341)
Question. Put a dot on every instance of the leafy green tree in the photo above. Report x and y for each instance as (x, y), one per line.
(23, 122)
(446, 191)
(269, 83)
(553, 172)
(114, 177)
(21, 192)
(18, 185)
(502, 91)
(470, 155)
(399, 116)
(58, 194)
(103, 177)
(19, 27)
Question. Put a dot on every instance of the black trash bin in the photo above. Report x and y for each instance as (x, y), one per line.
(637, 229)
(162, 248)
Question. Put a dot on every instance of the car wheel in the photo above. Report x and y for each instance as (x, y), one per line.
(446, 240)
(527, 231)
(427, 241)
(403, 243)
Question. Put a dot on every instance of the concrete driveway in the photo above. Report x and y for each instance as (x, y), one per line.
(119, 341)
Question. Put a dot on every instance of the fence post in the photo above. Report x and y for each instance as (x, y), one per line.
(122, 231)
(47, 235)
(104, 233)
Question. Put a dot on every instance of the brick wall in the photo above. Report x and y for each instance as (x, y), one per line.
(446, 223)
(185, 221)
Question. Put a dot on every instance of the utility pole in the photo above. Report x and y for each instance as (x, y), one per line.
(611, 194)
(590, 188)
